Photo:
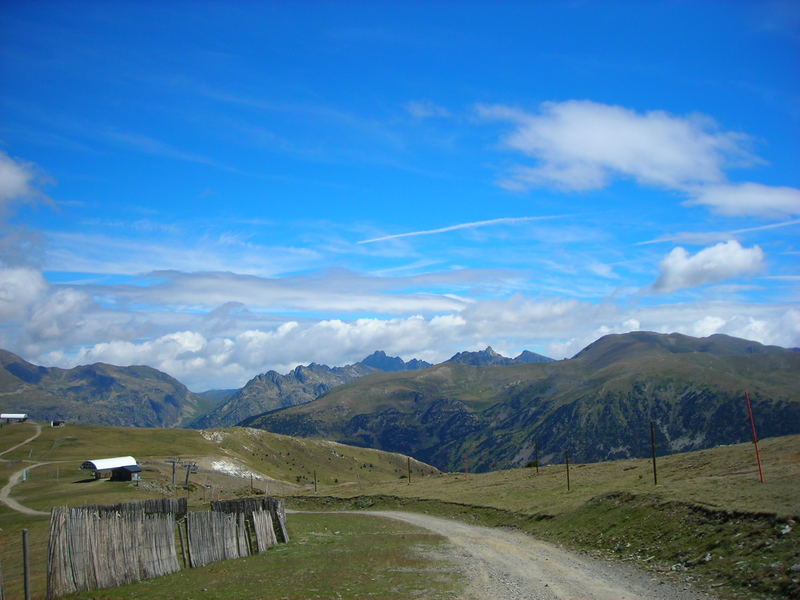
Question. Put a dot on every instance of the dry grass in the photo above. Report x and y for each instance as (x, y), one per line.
(724, 478)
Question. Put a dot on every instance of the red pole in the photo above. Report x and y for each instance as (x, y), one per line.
(755, 437)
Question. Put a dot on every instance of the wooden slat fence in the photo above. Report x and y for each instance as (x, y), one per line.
(93, 547)
(213, 536)
(274, 506)
(265, 533)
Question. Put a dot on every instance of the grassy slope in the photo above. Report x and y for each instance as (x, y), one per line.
(282, 459)
(706, 502)
(358, 557)
(708, 520)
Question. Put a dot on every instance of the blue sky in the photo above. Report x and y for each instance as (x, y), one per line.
(220, 189)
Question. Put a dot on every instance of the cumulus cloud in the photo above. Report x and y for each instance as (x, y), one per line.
(749, 199)
(20, 287)
(714, 264)
(558, 327)
(582, 145)
(58, 314)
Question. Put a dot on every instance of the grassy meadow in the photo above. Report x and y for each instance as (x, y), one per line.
(709, 520)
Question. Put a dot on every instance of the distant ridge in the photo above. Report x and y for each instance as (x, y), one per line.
(597, 405)
(271, 390)
(99, 394)
(489, 357)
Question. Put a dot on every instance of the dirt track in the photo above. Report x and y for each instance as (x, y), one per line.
(14, 479)
(507, 565)
(13, 504)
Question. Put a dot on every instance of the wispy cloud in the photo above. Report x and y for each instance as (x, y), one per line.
(424, 109)
(702, 238)
(471, 225)
(154, 147)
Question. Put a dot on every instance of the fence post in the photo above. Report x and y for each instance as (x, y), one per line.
(536, 455)
(409, 470)
(26, 567)
(566, 460)
(183, 545)
(315, 482)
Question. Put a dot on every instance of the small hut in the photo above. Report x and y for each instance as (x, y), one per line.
(121, 468)
(13, 417)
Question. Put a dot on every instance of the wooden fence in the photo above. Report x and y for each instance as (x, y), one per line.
(274, 508)
(94, 547)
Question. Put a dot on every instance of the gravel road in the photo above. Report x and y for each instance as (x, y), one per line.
(5, 492)
(6, 499)
(507, 565)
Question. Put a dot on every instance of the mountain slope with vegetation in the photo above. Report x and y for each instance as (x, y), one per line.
(596, 406)
(271, 390)
(100, 394)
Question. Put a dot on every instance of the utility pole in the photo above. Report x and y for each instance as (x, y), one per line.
(174, 462)
(653, 446)
(190, 468)
(755, 436)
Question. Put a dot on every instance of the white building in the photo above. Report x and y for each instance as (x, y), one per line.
(13, 417)
(120, 468)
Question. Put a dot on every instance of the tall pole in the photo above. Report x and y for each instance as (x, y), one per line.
(653, 446)
(409, 470)
(755, 436)
(315, 482)
(536, 455)
(26, 566)
(566, 460)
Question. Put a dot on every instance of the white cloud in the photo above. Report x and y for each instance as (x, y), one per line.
(581, 145)
(19, 288)
(18, 182)
(714, 264)
(749, 199)
(558, 327)
(57, 315)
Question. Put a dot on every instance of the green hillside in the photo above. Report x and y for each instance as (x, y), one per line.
(101, 394)
(596, 406)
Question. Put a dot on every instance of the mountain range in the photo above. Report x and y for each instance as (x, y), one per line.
(271, 390)
(478, 409)
(140, 396)
(99, 394)
(596, 406)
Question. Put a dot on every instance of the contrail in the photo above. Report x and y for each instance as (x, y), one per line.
(472, 225)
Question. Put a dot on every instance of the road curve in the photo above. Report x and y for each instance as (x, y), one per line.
(507, 565)
(13, 504)
(38, 429)
(15, 477)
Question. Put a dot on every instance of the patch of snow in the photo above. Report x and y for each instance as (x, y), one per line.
(214, 436)
(237, 470)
